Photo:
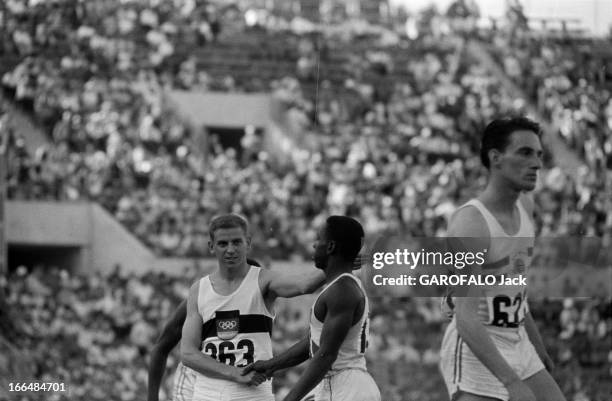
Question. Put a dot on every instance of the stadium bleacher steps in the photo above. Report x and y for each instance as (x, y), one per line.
(564, 157)
(23, 126)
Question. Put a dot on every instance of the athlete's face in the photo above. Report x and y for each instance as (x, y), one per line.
(321, 248)
(520, 161)
(230, 246)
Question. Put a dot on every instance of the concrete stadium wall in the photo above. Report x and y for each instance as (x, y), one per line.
(48, 223)
(84, 236)
(112, 244)
(221, 109)
(102, 242)
(235, 110)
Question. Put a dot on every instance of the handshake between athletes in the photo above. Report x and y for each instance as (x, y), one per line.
(257, 373)
(226, 335)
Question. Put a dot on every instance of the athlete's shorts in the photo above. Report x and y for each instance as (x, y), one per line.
(463, 372)
(208, 389)
(184, 379)
(347, 385)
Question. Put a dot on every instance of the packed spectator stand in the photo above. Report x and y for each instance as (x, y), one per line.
(94, 334)
(388, 121)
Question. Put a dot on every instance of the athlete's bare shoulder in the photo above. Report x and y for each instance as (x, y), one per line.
(467, 221)
(345, 287)
(344, 294)
(264, 279)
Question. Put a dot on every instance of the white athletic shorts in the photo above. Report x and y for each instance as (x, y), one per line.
(463, 372)
(208, 389)
(184, 379)
(347, 385)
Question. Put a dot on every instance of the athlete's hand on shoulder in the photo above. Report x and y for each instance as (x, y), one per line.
(251, 378)
(519, 391)
(260, 367)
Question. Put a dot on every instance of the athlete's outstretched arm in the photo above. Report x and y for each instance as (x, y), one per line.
(204, 364)
(293, 356)
(341, 300)
(167, 340)
(290, 283)
(468, 232)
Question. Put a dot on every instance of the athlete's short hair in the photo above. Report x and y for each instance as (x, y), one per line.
(497, 135)
(230, 220)
(347, 233)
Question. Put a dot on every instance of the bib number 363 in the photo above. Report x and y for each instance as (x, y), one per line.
(226, 352)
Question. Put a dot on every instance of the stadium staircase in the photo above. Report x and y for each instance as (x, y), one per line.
(564, 157)
(23, 125)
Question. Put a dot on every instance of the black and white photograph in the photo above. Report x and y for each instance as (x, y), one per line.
(306, 200)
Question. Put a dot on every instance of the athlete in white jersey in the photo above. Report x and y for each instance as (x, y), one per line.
(348, 378)
(237, 329)
(492, 349)
(339, 325)
(230, 314)
(170, 336)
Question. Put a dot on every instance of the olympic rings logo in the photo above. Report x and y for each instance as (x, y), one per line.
(228, 324)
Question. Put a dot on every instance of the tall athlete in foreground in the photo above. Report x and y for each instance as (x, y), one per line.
(492, 349)
(229, 317)
(339, 325)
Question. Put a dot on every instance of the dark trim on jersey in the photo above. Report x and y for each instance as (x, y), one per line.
(181, 384)
(248, 324)
(363, 338)
(456, 359)
(530, 251)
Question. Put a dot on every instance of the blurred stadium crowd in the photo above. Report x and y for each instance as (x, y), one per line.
(94, 333)
(398, 129)
(389, 135)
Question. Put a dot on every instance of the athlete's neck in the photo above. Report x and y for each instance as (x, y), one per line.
(500, 195)
(233, 273)
(336, 267)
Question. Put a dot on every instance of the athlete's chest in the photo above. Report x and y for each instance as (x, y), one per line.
(225, 287)
(510, 223)
(319, 309)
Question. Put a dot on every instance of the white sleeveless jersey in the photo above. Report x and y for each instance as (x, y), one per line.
(510, 255)
(352, 351)
(237, 327)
